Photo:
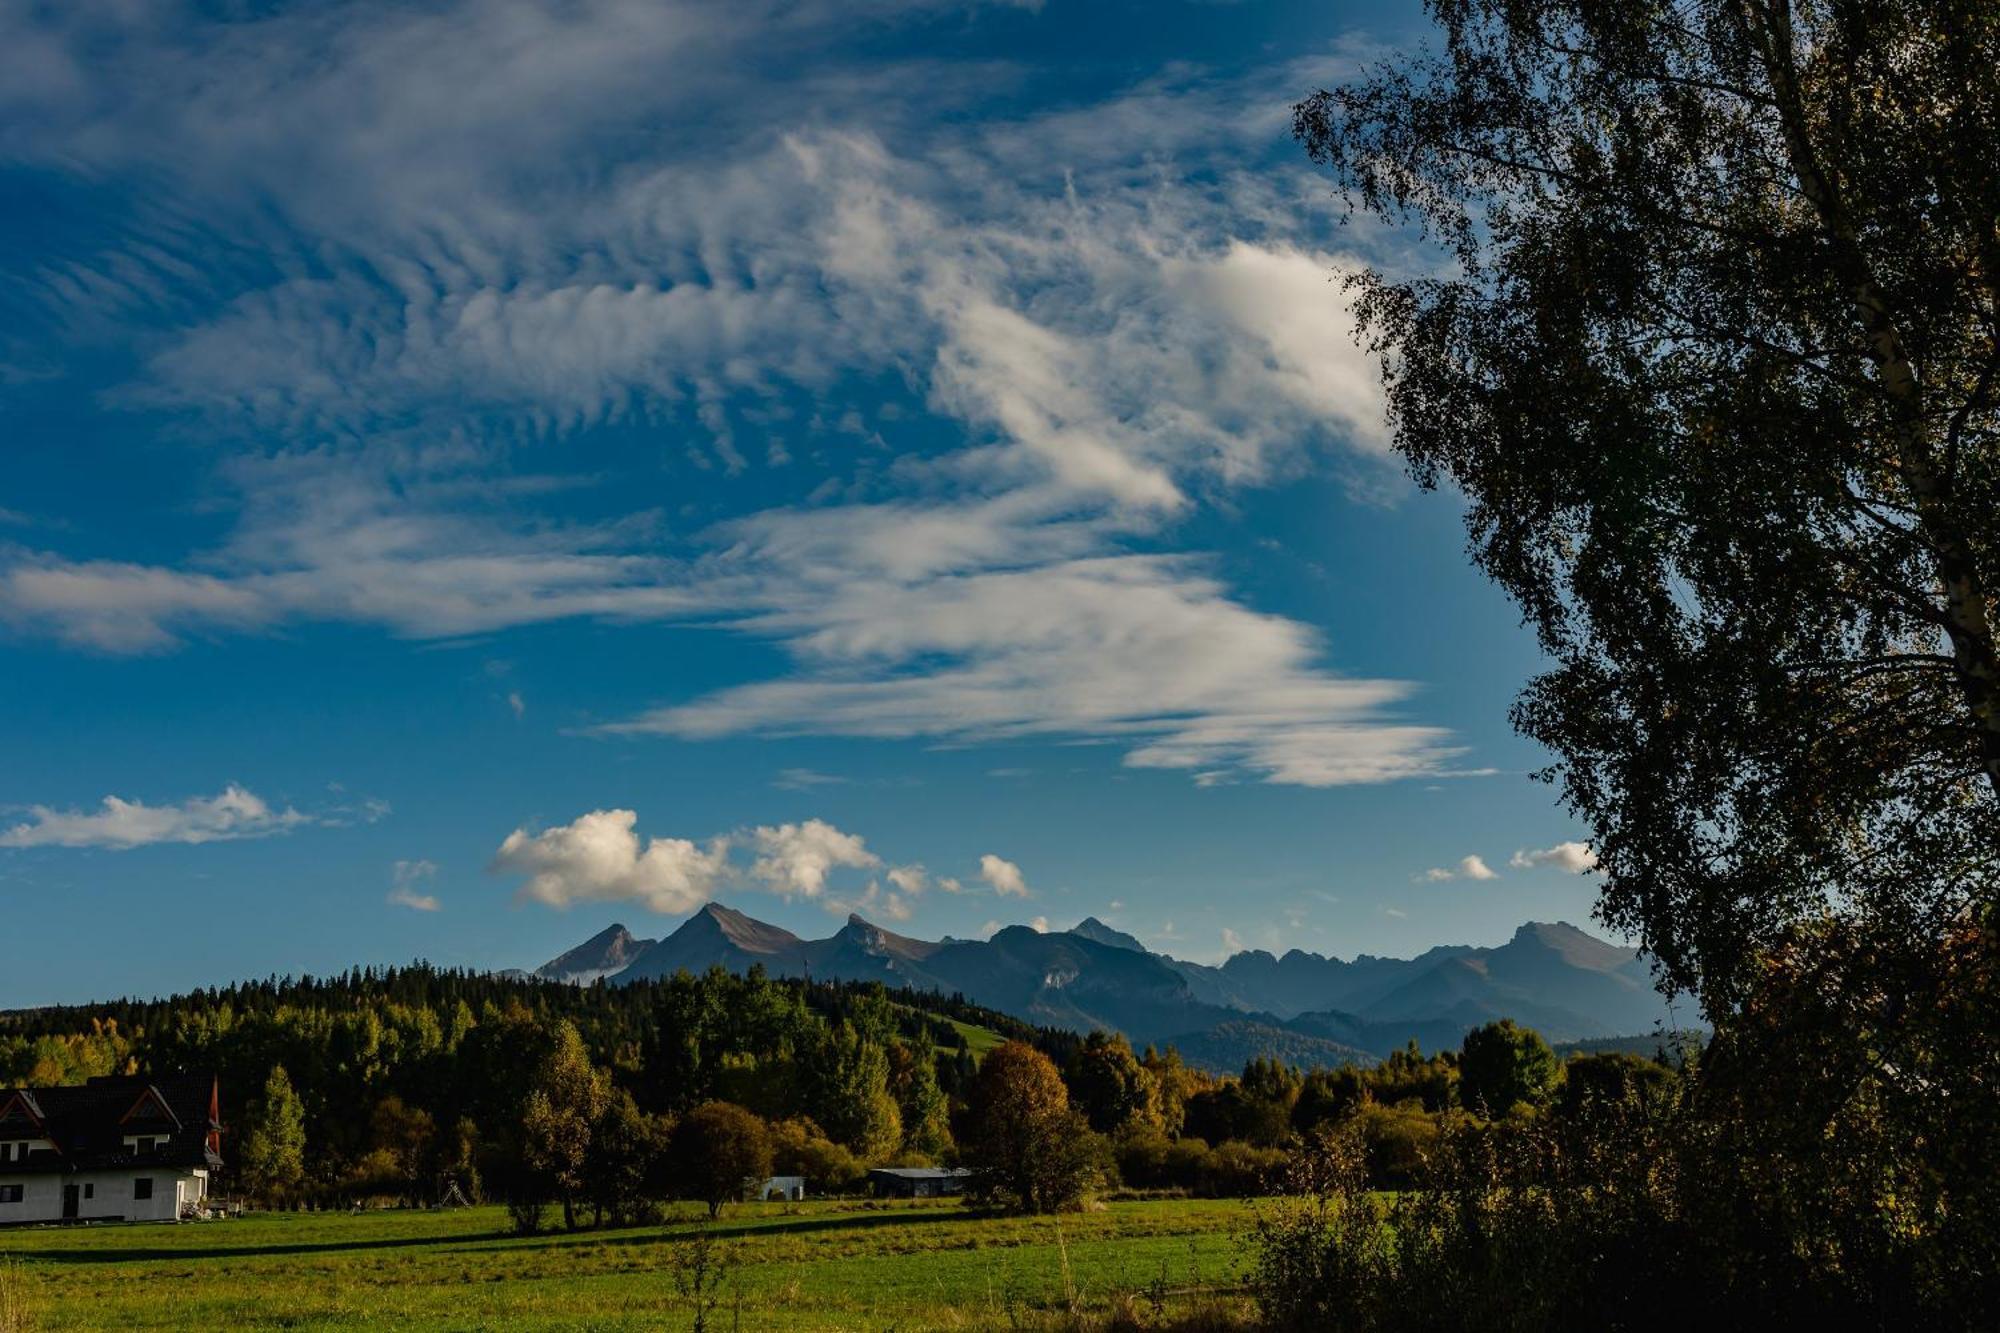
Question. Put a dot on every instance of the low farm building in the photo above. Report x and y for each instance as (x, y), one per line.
(917, 1182)
(775, 1187)
(114, 1150)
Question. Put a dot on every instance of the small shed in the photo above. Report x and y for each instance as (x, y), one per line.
(790, 1188)
(917, 1182)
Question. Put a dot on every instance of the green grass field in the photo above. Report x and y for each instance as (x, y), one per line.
(825, 1265)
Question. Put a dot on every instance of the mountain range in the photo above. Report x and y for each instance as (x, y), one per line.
(1303, 1007)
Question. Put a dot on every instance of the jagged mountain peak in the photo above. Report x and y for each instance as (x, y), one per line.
(607, 953)
(1577, 947)
(1093, 929)
(740, 929)
(1550, 975)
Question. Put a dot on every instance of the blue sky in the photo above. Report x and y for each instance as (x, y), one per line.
(476, 471)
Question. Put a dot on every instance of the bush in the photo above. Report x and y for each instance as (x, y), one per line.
(1237, 1170)
(798, 1148)
(1662, 1209)
(1397, 1140)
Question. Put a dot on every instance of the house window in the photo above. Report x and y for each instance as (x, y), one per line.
(142, 1187)
(89, 1190)
(10, 1193)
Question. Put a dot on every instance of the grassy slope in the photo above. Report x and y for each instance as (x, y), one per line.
(978, 1039)
(826, 1265)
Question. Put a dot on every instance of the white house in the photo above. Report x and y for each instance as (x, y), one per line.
(114, 1150)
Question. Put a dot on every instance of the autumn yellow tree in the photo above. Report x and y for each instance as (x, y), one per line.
(1031, 1150)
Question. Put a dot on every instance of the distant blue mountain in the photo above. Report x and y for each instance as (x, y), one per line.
(1302, 1007)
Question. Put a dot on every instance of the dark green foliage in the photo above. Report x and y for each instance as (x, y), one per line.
(460, 1050)
(1502, 1066)
(1254, 1109)
(1109, 1085)
(1590, 1082)
(624, 1172)
(1648, 1197)
(716, 1150)
(1716, 369)
(1715, 364)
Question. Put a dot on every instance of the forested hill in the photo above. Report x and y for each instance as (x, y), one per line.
(456, 1044)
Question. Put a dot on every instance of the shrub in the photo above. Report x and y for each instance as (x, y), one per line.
(1237, 1170)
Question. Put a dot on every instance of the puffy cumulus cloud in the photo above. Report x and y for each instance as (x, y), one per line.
(405, 877)
(598, 857)
(1002, 876)
(118, 824)
(1576, 857)
(1470, 867)
(796, 858)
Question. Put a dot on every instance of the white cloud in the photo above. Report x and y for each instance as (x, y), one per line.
(118, 824)
(1040, 925)
(911, 879)
(804, 779)
(874, 902)
(796, 858)
(1137, 647)
(1003, 876)
(950, 884)
(1576, 857)
(1105, 350)
(1470, 867)
(598, 858)
(516, 704)
(1231, 941)
(406, 876)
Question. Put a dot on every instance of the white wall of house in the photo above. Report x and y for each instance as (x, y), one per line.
(104, 1195)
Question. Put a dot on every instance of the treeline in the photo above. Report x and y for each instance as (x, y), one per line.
(409, 1082)
(418, 1084)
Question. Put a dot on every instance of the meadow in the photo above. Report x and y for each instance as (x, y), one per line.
(831, 1265)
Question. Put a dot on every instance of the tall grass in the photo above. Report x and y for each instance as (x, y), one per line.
(14, 1311)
